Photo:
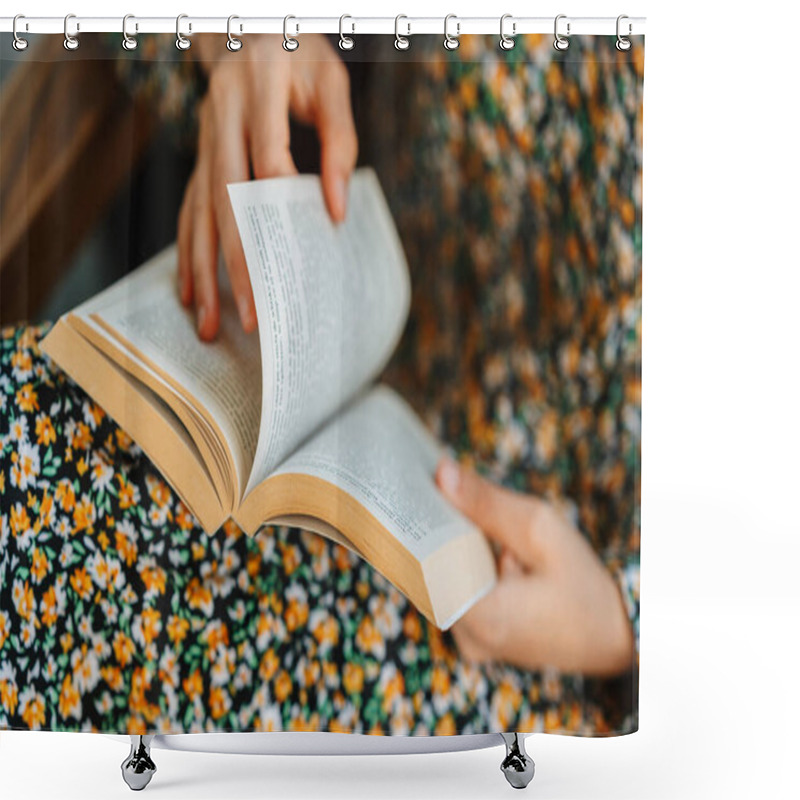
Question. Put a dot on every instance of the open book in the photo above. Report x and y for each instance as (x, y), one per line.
(287, 426)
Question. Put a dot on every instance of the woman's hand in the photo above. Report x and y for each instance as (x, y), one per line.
(555, 604)
(244, 125)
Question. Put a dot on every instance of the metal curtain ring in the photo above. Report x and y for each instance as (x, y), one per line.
(181, 42)
(451, 42)
(290, 44)
(560, 42)
(233, 44)
(128, 42)
(70, 42)
(506, 41)
(346, 42)
(401, 42)
(623, 43)
(18, 43)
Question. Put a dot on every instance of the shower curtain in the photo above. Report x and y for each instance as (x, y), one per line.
(514, 178)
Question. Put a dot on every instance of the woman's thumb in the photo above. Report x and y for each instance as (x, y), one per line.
(503, 515)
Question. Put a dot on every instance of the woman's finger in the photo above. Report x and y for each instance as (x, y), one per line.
(204, 245)
(510, 518)
(269, 121)
(510, 565)
(230, 165)
(337, 134)
(184, 245)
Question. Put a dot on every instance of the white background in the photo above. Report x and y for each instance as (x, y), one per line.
(720, 682)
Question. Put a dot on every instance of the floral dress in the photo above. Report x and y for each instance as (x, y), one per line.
(515, 180)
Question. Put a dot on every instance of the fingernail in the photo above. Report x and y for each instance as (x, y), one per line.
(340, 197)
(449, 476)
(245, 312)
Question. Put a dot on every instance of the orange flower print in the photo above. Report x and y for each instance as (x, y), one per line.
(137, 700)
(440, 680)
(113, 677)
(126, 547)
(102, 472)
(325, 628)
(69, 700)
(219, 702)
(21, 365)
(153, 577)
(93, 414)
(269, 665)
(505, 702)
(65, 495)
(146, 626)
(547, 437)
(25, 466)
(193, 685)
(123, 647)
(20, 521)
(85, 668)
(81, 582)
(296, 613)
(369, 639)
(5, 627)
(45, 432)
(446, 726)
(283, 686)
(391, 685)
(216, 634)
(79, 437)
(106, 571)
(46, 510)
(32, 709)
(291, 558)
(84, 515)
(22, 597)
(49, 608)
(158, 491)
(353, 678)
(128, 494)
(39, 566)
(27, 399)
(402, 718)
(177, 628)
(198, 596)
(552, 720)
(9, 696)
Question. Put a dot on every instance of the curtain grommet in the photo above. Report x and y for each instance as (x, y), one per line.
(507, 42)
(18, 43)
(181, 41)
(346, 42)
(561, 42)
(234, 44)
(451, 42)
(128, 42)
(290, 43)
(401, 42)
(623, 42)
(71, 42)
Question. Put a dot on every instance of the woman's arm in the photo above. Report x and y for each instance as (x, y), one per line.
(555, 604)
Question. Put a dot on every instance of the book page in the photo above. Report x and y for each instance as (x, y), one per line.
(380, 453)
(331, 301)
(223, 376)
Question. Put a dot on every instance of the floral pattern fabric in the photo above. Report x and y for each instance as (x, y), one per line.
(515, 180)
